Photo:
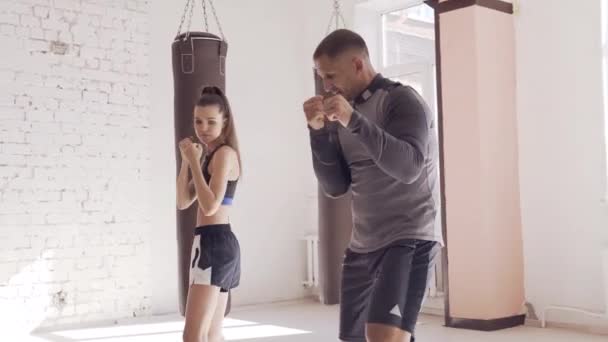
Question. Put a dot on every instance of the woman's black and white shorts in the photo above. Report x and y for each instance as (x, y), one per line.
(216, 257)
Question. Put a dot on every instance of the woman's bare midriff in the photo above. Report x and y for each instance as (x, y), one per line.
(220, 217)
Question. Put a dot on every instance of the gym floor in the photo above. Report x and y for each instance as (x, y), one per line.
(292, 322)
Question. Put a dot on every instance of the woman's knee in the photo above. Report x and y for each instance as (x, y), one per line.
(216, 334)
(216, 337)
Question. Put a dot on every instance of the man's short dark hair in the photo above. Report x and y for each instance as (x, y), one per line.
(338, 42)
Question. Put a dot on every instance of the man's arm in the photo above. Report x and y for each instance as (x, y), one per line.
(328, 162)
(399, 144)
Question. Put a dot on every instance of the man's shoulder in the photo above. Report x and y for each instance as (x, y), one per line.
(401, 95)
(397, 91)
(387, 84)
(404, 102)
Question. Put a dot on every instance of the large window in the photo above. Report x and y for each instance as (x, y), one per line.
(408, 35)
(408, 49)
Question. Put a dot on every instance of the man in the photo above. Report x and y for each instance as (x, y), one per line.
(377, 138)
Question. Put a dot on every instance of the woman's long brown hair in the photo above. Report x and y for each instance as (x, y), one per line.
(211, 95)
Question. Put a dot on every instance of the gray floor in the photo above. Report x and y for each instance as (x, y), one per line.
(294, 322)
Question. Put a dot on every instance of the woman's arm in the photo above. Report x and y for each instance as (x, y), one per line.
(185, 190)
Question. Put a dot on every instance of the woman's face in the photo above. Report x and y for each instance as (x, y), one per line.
(208, 123)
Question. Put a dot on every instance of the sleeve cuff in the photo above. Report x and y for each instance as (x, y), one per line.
(355, 121)
(321, 131)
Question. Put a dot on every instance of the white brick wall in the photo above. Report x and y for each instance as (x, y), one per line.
(74, 153)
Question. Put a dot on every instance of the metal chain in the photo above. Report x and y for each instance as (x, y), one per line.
(337, 14)
(190, 3)
(189, 21)
(219, 27)
(190, 17)
(205, 15)
(337, 11)
(181, 23)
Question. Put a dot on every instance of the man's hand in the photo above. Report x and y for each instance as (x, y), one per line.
(336, 108)
(315, 114)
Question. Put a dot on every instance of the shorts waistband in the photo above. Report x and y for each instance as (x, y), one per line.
(212, 228)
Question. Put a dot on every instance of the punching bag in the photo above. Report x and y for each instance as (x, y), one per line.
(198, 59)
(335, 229)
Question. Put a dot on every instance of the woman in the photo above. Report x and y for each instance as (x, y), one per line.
(215, 261)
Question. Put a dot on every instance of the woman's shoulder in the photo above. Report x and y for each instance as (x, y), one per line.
(225, 153)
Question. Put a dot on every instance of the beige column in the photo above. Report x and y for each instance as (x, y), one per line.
(480, 169)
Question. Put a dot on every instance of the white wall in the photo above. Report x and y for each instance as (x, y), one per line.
(269, 75)
(87, 221)
(163, 236)
(562, 153)
(74, 128)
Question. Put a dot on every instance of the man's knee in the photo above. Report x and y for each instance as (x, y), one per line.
(385, 333)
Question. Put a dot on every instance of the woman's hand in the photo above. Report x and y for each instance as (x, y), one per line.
(184, 144)
(191, 152)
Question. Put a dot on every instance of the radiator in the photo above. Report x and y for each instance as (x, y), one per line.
(312, 261)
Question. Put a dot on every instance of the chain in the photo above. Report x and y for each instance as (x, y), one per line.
(191, 13)
(219, 27)
(205, 15)
(337, 11)
(337, 14)
(181, 23)
(190, 4)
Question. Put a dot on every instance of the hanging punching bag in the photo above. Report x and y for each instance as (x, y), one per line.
(198, 60)
(335, 229)
(335, 215)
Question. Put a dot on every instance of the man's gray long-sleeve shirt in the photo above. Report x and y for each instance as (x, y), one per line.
(387, 156)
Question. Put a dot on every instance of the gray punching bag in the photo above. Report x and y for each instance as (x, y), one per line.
(198, 59)
(335, 229)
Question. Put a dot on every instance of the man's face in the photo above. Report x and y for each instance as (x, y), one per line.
(339, 74)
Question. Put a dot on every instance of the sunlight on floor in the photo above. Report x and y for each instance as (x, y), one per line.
(304, 321)
(234, 330)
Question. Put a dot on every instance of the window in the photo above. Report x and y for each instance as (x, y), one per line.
(408, 49)
(408, 35)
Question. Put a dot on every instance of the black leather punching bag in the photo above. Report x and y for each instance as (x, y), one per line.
(199, 59)
(335, 229)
